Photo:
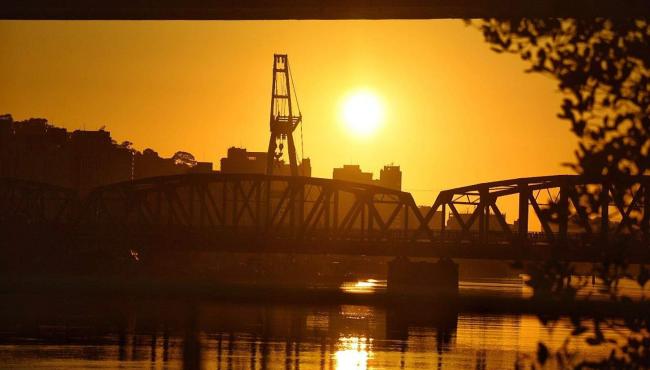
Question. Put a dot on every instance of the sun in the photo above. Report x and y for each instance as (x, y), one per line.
(362, 112)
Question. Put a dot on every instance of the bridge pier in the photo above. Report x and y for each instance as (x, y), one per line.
(406, 277)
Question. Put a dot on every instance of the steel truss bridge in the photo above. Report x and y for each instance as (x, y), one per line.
(260, 213)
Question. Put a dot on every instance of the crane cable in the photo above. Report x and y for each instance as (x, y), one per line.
(295, 93)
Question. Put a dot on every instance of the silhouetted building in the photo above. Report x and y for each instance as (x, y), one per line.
(436, 221)
(6, 123)
(201, 167)
(150, 164)
(304, 167)
(97, 161)
(389, 177)
(35, 150)
(352, 172)
(239, 160)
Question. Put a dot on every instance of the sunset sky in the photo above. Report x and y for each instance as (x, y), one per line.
(454, 112)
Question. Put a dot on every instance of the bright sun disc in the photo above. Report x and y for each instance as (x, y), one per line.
(362, 112)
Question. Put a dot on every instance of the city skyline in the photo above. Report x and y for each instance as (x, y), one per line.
(461, 129)
(325, 185)
(36, 149)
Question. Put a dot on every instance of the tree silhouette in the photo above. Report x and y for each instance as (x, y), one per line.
(603, 70)
(184, 159)
(150, 153)
(127, 145)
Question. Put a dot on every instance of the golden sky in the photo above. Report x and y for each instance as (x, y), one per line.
(456, 113)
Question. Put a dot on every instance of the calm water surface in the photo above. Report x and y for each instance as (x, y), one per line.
(69, 334)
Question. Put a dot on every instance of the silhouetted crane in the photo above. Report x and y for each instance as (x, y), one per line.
(283, 120)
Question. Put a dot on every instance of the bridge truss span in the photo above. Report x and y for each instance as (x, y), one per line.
(35, 203)
(233, 206)
(551, 210)
(259, 212)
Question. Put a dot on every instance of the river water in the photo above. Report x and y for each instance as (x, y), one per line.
(81, 333)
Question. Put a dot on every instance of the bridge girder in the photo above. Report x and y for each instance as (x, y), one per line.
(223, 205)
(31, 202)
(235, 209)
(627, 197)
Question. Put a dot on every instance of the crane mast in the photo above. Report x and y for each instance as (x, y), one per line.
(284, 119)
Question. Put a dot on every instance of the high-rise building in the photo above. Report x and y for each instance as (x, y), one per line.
(36, 150)
(390, 177)
(97, 161)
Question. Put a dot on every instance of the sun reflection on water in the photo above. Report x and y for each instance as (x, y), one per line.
(353, 353)
(362, 286)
